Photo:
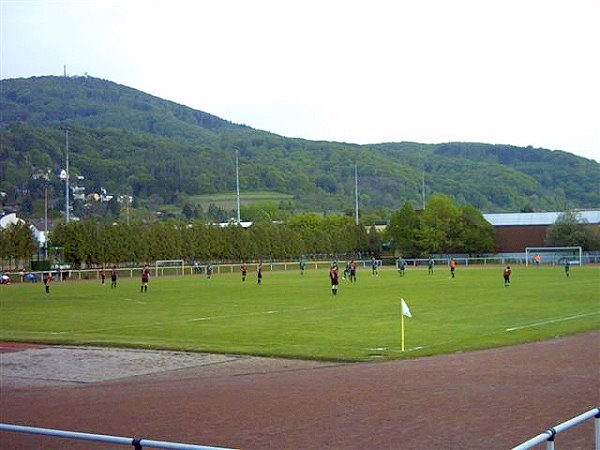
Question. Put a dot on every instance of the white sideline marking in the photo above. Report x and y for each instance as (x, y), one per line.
(233, 315)
(305, 308)
(133, 300)
(562, 319)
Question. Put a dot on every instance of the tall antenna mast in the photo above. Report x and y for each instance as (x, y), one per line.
(423, 189)
(237, 184)
(356, 192)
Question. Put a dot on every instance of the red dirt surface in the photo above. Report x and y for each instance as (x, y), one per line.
(6, 347)
(492, 399)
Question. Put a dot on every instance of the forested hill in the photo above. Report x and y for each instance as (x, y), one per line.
(130, 142)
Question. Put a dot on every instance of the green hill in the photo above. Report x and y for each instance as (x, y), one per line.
(129, 142)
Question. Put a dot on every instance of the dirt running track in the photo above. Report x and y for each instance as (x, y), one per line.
(491, 399)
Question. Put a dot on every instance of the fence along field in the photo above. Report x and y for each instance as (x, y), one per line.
(290, 315)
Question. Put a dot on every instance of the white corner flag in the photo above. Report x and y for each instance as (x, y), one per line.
(404, 311)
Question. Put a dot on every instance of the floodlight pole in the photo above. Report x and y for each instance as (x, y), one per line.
(356, 192)
(237, 183)
(67, 179)
(423, 189)
(46, 220)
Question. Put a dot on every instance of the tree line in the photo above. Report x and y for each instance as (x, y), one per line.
(443, 227)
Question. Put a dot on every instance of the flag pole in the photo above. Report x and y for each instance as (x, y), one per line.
(402, 328)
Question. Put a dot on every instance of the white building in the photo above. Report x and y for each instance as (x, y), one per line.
(12, 219)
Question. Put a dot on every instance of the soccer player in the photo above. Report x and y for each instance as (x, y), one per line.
(506, 274)
(401, 266)
(374, 264)
(333, 276)
(353, 271)
(430, 264)
(102, 275)
(302, 266)
(113, 277)
(259, 272)
(346, 273)
(47, 279)
(209, 270)
(567, 267)
(244, 270)
(452, 265)
(145, 279)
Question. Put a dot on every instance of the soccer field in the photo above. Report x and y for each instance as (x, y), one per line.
(290, 315)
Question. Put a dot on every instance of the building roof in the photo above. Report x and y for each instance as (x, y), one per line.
(10, 219)
(540, 218)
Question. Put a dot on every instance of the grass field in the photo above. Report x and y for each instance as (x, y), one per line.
(297, 316)
(228, 200)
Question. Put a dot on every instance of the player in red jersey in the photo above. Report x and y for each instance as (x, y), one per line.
(334, 277)
(353, 271)
(113, 277)
(452, 265)
(506, 274)
(145, 279)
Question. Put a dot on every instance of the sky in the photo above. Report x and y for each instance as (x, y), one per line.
(517, 72)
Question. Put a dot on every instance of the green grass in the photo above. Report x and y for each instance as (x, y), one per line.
(297, 316)
(228, 200)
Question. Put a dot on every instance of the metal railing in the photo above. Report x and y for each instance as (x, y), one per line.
(549, 435)
(137, 443)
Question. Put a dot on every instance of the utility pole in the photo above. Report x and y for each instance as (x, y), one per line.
(356, 192)
(237, 184)
(46, 220)
(67, 179)
(423, 189)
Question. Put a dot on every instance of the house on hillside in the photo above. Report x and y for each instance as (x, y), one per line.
(12, 219)
(516, 231)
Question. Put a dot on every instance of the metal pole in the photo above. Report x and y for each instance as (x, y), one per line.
(67, 180)
(423, 189)
(237, 184)
(108, 439)
(597, 429)
(356, 192)
(46, 221)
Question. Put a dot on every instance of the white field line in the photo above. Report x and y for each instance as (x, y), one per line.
(133, 300)
(545, 322)
(257, 313)
(148, 324)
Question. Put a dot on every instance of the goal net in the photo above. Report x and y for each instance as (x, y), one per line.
(169, 267)
(552, 255)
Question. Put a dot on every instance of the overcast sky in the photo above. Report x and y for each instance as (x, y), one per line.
(519, 72)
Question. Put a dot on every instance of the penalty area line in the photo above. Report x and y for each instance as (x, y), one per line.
(545, 322)
(255, 313)
(233, 315)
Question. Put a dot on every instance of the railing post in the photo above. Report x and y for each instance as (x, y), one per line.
(597, 429)
(550, 441)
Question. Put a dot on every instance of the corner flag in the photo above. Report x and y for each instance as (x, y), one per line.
(404, 309)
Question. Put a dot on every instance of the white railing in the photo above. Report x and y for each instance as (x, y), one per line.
(137, 443)
(549, 435)
(133, 272)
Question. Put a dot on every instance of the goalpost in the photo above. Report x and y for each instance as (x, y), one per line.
(553, 255)
(165, 267)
